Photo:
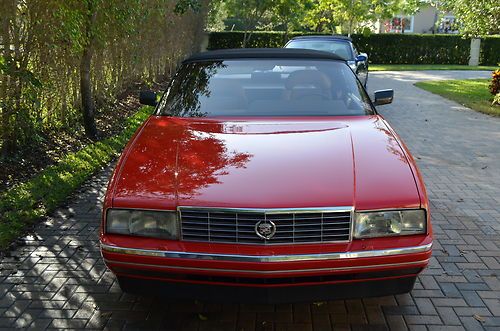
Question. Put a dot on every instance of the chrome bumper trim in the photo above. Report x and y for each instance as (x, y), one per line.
(274, 210)
(266, 272)
(268, 258)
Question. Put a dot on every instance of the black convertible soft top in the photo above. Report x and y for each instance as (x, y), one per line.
(263, 53)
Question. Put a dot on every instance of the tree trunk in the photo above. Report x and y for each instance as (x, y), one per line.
(8, 142)
(244, 45)
(248, 36)
(88, 105)
(286, 31)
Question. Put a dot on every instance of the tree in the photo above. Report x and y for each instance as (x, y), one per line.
(288, 14)
(350, 15)
(182, 6)
(476, 17)
(250, 12)
(61, 60)
(18, 85)
(97, 21)
(320, 16)
(216, 16)
(7, 7)
(91, 23)
(89, 40)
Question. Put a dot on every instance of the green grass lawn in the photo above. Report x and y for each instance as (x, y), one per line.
(472, 93)
(408, 67)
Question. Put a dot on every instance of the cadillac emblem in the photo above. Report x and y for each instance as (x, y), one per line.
(265, 229)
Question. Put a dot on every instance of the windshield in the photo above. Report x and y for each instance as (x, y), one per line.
(340, 48)
(264, 87)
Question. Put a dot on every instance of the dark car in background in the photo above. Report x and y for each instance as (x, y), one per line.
(339, 45)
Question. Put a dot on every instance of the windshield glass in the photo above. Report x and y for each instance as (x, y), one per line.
(265, 87)
(340, 48)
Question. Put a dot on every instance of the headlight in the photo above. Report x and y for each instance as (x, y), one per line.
(146, 223)
(390, 223)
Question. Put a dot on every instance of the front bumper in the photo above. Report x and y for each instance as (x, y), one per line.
(311, 276)
(175, 291)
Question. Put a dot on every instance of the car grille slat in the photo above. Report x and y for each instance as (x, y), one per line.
(238, 226)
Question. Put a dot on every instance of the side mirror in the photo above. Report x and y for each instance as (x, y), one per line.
(147, 98)
(383, 97)
(361, 57)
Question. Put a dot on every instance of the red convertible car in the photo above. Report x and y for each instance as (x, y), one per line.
(266, 175)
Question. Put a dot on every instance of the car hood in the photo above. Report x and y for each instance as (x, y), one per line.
(267, 163)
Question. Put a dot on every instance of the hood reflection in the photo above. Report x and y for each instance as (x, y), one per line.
(178, 160)
(392, 145)
(264, 163)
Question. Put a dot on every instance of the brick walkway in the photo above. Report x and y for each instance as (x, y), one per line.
(58, 280)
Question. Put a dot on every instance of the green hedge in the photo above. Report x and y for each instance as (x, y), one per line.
(490, 50)
(414, 48)
(23, 204)
(382, 48)
(261, 39)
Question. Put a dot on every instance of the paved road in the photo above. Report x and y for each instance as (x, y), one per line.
(58, 280)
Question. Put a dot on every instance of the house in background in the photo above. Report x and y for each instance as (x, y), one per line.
(428, 19)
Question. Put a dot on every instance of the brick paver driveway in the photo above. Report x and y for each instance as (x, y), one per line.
(58, 280)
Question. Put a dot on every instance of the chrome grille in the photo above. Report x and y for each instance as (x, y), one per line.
(238, 226)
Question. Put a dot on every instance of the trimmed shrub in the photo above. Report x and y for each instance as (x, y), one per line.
(490, 50)
(414, 48)
(382, 48)
(259, 39)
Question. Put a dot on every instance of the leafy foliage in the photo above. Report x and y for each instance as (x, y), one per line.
(289, 14)
(496, 100)
(348, 16)
(495, 82)
(319, 15)
(490, 50)
(381, 48)
(251, 12)
(129, 40)
(414, 48)
(216, 15)
(234, 39)
(477, 17)
(23, 204)
(182, 6)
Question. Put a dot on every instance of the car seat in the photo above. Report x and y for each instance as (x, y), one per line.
(308, 84)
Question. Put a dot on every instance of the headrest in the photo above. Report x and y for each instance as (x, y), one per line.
(342, 53)
(308, 77)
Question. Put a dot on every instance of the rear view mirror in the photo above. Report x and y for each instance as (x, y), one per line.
(361, 58)
(383, 97)
(147, 98)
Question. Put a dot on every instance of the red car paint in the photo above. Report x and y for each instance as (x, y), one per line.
(265, 163)
(269, 163)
